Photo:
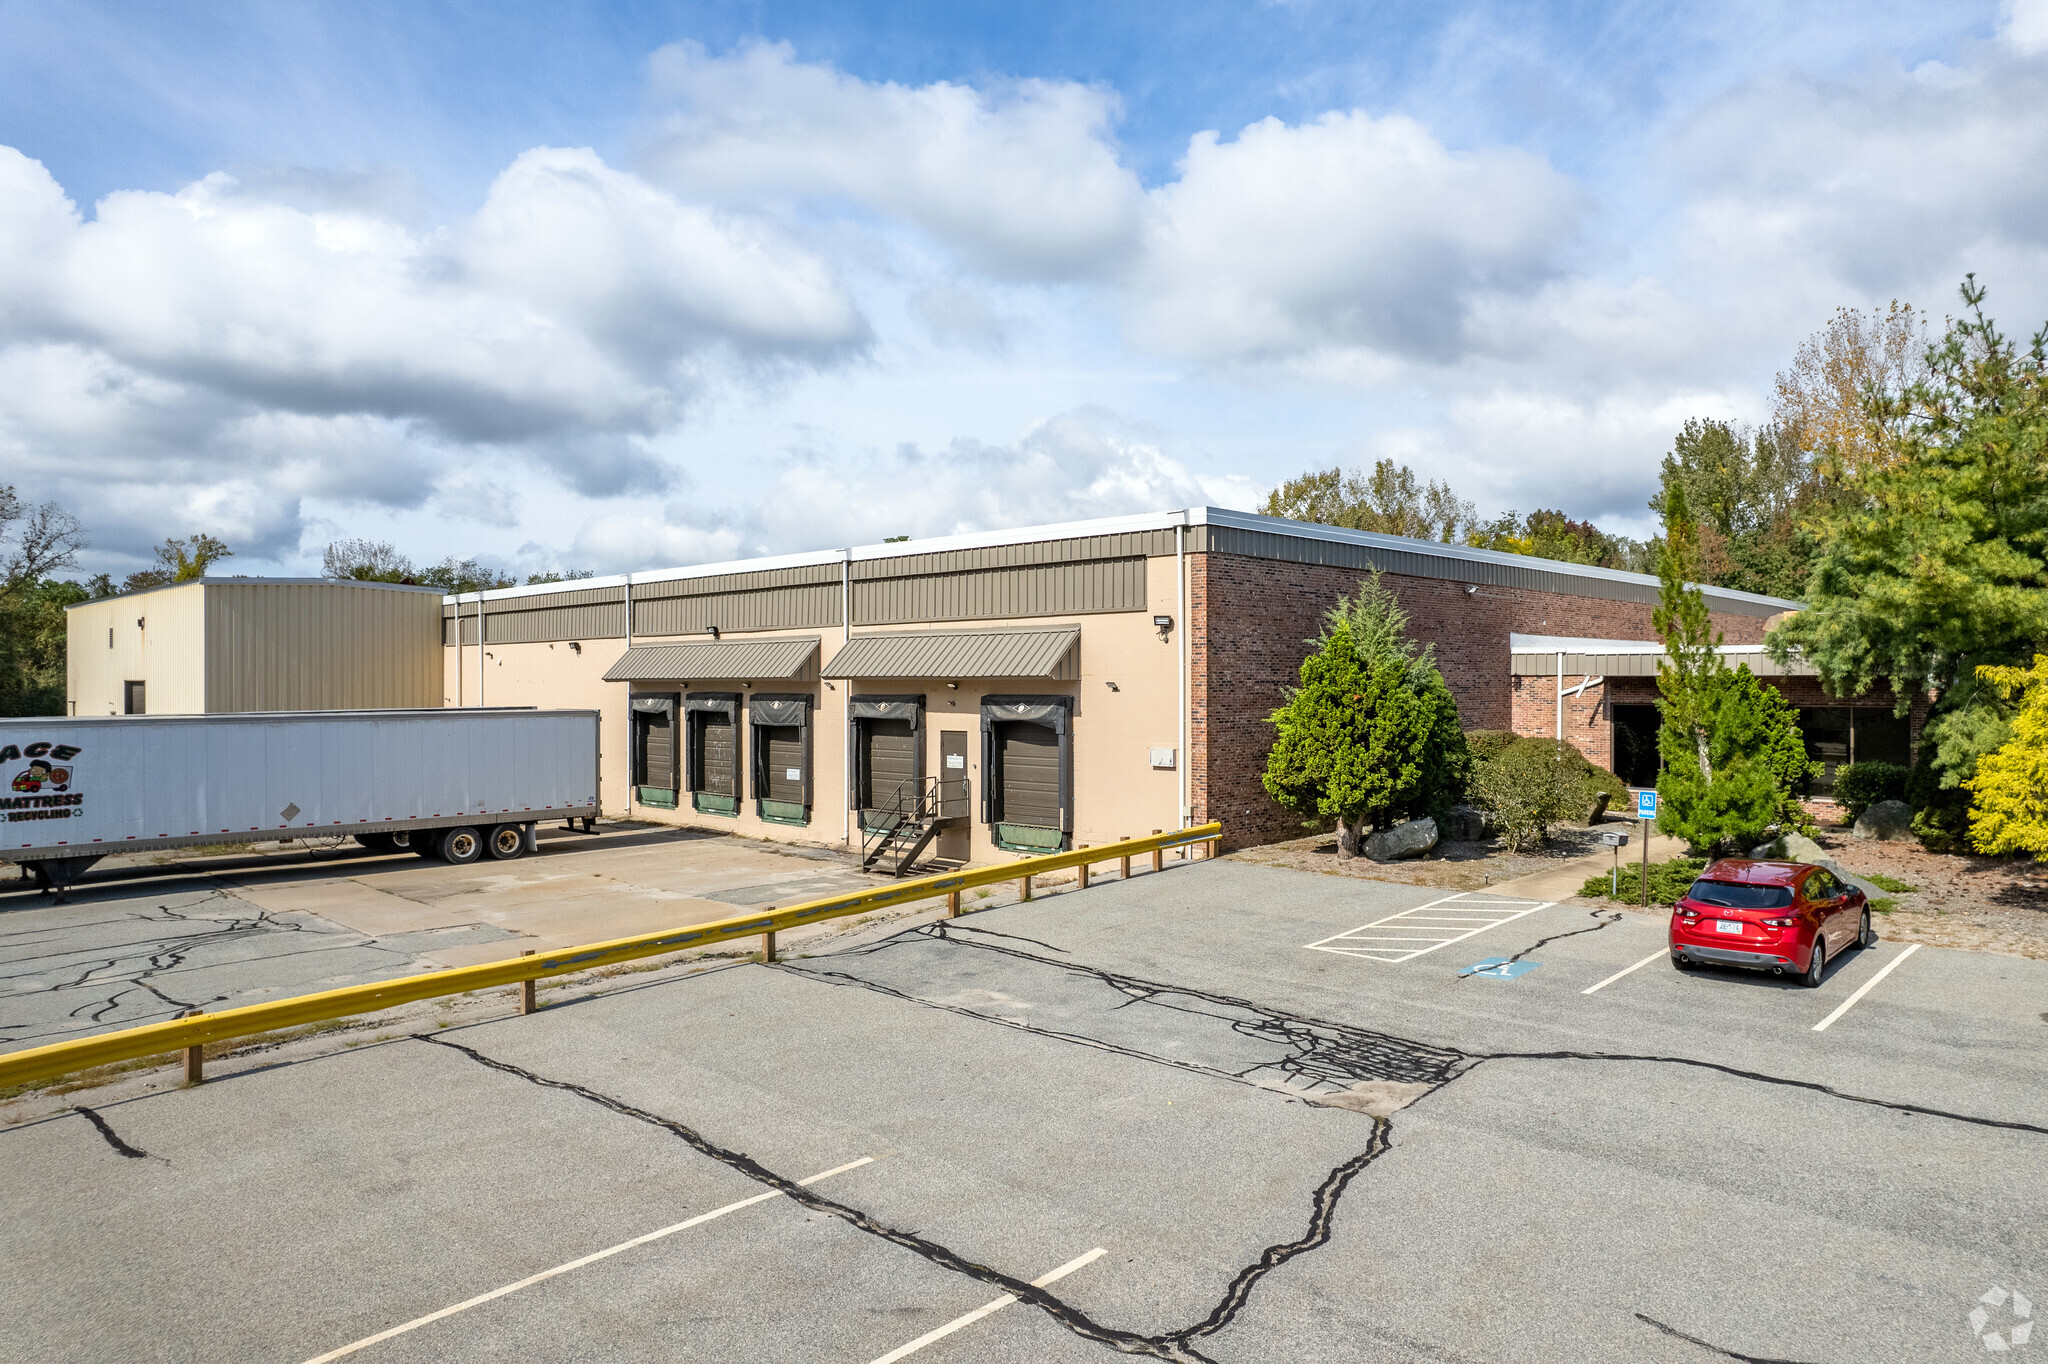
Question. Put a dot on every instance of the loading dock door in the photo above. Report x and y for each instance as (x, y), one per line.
(655, 752)
(888, 765)
(712, 762)
(715, 734)
(782, 757)
(782, 751)
(1028, 759)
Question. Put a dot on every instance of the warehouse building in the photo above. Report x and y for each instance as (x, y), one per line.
(1051, 686)
(216, 645)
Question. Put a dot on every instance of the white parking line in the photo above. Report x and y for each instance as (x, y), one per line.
(998, 1305)
(1425, 928)
(1660, 952)
(1866, 987)
(545, 1274)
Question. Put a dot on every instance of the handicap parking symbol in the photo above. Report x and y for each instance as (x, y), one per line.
(1500, 968)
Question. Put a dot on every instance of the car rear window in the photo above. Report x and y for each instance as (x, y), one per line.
(1729, 895)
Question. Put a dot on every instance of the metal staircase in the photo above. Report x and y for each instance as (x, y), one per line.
(904, 828)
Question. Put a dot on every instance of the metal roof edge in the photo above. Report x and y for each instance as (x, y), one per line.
(246, 581)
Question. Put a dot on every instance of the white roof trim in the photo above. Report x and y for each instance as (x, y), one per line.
(1114, 525)
(1566, 644)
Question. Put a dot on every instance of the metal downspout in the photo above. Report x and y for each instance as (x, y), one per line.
(1560, 696)
(479, 650)
(1180, 579)
(846, 701)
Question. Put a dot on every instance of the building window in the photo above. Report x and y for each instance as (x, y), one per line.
(132, 699)
(1839, 735)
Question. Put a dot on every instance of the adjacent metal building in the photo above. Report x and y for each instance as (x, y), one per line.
(218, 645)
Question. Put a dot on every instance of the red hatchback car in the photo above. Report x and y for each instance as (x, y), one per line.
(1768, 916)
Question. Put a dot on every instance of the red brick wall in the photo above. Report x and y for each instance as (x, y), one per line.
(1250, 620)
(1587, 724)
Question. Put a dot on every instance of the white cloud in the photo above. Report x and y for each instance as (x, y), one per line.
(2026, 24)
(1349, 234)
(1021, 179)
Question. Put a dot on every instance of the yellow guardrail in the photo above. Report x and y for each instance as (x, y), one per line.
(63, 1058)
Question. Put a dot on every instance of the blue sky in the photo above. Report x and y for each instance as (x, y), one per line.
(625, 285)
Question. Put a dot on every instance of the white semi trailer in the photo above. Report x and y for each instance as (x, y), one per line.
(454, 784)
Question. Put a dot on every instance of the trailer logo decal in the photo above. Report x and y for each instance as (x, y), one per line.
(42, 789)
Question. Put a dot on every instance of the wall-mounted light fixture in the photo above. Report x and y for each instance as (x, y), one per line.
(1112, 686)
(1164, 624)
(952, 686)
(575, 647)
(1471, 589)
(138, 622)
(714, 631)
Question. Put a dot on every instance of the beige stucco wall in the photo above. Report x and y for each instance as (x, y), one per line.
(1116, 790)
(166, 651)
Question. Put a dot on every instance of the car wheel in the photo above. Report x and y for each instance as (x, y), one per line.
(1816, 967)
(1866, 936)
(506, 842)
(460, 846)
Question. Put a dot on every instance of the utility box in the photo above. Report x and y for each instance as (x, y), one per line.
(73, 789)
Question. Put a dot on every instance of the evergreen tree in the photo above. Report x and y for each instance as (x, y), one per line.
(1938, 564)
(1371, 735)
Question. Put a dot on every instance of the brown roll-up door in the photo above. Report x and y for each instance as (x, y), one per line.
(717, 763)
(889, 763)
(657, 749)
(1028, 758)
(782, 752)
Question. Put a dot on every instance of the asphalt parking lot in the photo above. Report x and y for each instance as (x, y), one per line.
(140, 941)
(1280, 1152)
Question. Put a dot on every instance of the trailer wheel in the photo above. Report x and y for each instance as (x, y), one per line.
(461, 846)
(506, 842)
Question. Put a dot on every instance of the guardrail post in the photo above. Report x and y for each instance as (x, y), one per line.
(768, 941)
(1023, 888)
(1158, 854)
(195, 1056)
(1084, 869)
(529, 1001)
(1126, 859)
(1215, 848)
(953, 904)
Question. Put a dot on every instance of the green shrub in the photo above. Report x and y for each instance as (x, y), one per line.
(1862, 785)
(1527, 785)
(1890, 883)
(1486, 744)
(1668, 881)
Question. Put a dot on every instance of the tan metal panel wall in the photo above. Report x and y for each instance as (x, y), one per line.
(1137, 544)
(166, 652)
(320, 646)
(1060, 589)
(595, 621)
(809, 606)
(810, 575)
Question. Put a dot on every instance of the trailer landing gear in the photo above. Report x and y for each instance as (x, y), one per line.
(58, 874)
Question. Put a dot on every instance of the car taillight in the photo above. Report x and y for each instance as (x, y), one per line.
(1687, 910)
(1777, 923)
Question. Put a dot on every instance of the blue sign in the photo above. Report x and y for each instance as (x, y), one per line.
(1646, 805)
(1500, 968)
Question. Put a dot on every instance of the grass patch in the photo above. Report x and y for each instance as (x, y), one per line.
(1884, 904)
(1890, 883)
(1668, 881)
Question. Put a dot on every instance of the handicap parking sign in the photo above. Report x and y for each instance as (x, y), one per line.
(1646, 805)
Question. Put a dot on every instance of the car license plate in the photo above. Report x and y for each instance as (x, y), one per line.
(1727, 925)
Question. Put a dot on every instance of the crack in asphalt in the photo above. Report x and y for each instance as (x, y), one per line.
(1604, 922)
(1725, 1354)
(1170, 1345)
(113, 1137)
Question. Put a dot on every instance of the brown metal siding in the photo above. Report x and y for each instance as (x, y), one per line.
(1083, 549)
(595, 613)
(779, 599)
(319, 646)
(1060, 589)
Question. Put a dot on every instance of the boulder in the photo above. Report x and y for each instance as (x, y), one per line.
(1800, 848)
(1599, 807)
(1464, 824)
(1886, 821)
(1411, 839)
